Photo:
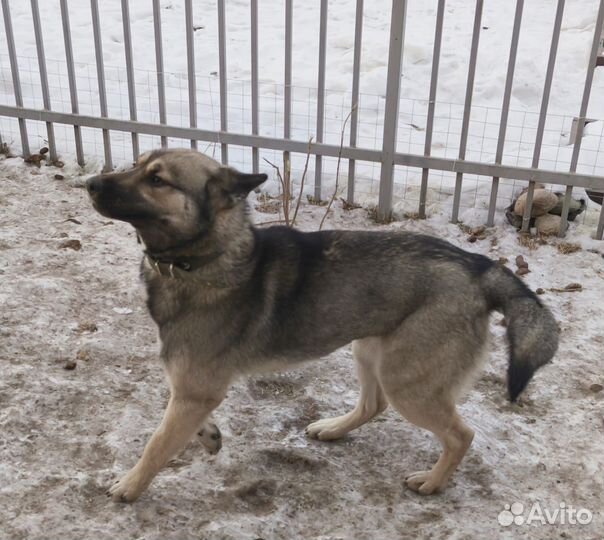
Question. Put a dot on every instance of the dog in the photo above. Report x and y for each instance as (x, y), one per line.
(231, 299)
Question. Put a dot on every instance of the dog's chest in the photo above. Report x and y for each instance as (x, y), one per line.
(165, 299)
(187, 314)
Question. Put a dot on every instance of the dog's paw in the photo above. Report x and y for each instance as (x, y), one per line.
(211, 438)
(127, 489)
(423, 482)
(328, 429)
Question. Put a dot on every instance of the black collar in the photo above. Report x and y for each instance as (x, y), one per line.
(179, 267)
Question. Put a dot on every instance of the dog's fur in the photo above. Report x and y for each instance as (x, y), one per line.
(230, 299)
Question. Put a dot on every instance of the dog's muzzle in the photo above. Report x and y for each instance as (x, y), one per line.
(94, 185)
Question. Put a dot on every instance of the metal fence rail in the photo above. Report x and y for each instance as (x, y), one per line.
(505, 107)
(73, 91)
(467, 106)
(14, 68)
(387, 155)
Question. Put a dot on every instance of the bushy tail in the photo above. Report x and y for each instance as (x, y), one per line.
(531, 328)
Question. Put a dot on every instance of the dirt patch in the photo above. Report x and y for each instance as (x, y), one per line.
(296, 460)
(271, 388)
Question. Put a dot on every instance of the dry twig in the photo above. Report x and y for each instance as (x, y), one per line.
(285, 194)
(302, 182)
(335, 191)
(285, 181)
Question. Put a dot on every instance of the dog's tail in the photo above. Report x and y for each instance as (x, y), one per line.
(531, 328)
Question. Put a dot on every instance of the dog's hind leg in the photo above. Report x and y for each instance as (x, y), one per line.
(371, 401)
(422, 373)
(439, 416)
(193, 397)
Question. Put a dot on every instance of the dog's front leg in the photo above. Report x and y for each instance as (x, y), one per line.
(186, 411)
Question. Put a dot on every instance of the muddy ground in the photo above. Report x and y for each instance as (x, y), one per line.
(70, 298)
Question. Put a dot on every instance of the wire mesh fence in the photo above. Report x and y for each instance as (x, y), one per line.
(263, 116)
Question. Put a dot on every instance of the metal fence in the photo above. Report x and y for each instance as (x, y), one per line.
(387, 156)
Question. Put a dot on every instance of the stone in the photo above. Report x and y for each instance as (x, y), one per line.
(543, 202)
(548, 224)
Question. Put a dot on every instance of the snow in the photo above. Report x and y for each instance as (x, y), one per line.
(577, 31)
(66, 434)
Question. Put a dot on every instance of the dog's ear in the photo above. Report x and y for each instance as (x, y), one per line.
(244, 183)
(235, 186)
(142, 159)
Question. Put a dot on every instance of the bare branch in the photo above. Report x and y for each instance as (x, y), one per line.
(335, 191)
(285, 196)
(302, 183)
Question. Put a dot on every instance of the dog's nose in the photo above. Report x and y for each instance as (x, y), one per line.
(94, 185)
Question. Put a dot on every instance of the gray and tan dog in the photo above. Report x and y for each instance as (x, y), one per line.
(230, 299)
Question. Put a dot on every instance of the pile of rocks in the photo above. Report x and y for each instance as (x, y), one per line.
(545, 212)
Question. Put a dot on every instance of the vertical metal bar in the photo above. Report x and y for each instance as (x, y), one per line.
(73, 91)
(130, 74)
(224, 149)
(393, 86)
(14, 67)
(505, 107)
(321, 94)
(600, 230)
(100, 70)
(438, 33)
(159, 67)
(191, 68)
(593, 58)
(354, 105)
(465, 126)
(287, 84)
(526, 218)
(254, 89)
(35, 12)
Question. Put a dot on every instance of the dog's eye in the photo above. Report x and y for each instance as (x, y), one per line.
(156, 181)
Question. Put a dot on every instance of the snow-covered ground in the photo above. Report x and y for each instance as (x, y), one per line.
(66, 434)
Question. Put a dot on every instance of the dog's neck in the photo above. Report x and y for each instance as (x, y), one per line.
(191, 254)
(215, 254)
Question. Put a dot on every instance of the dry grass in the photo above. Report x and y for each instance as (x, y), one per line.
(266, 204)
(373, 215)
(568, 247)
(348, 205)
(531, 242)
(5, 150)
(475, 233)
(315, 202)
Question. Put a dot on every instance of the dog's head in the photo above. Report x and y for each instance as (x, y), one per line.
(171, 196)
